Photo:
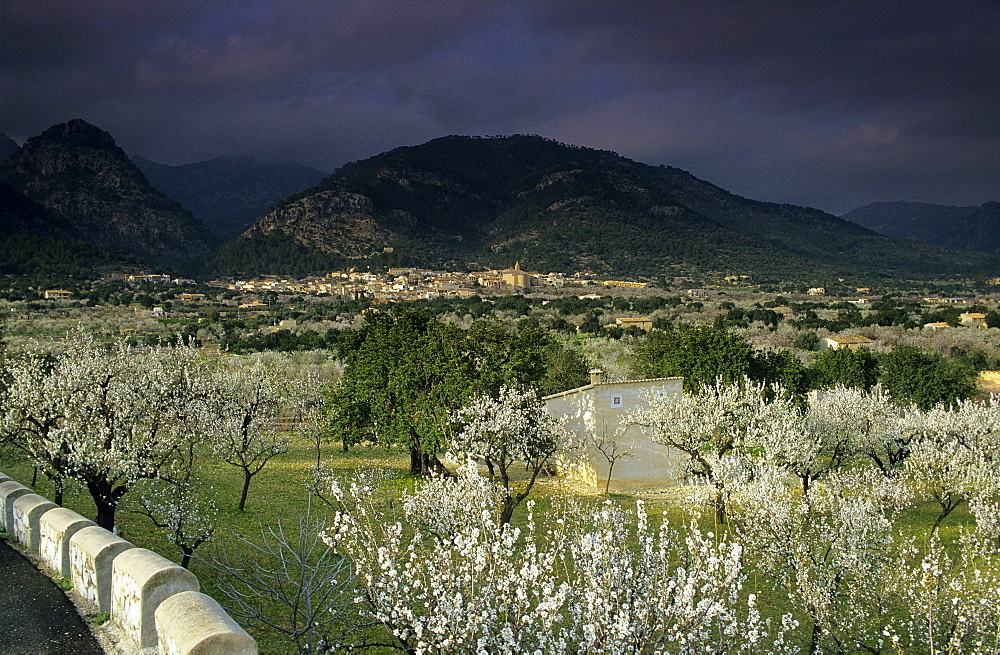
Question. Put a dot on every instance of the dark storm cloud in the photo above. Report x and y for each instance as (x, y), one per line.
(818, 103)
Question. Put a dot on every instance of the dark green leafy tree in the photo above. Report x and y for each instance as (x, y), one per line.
(404, 372)
(925, 378)
(503, 355)
(701, 355)
(781, 367)
(807, 340)
(844, 367)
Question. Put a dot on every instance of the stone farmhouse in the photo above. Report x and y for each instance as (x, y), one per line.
(973, 319)
(598, 408)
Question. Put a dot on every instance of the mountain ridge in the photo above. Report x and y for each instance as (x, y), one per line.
(456, 202)
(77, 172)
(975, 227)
(495, 200)
(228, 193)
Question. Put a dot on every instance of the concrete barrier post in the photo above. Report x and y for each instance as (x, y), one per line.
(57, 526)
(9, 492)
(91, 552)
(28, 510)
(191, 623)
(140, 581)
(4, 477)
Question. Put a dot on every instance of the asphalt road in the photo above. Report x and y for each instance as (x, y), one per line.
(36, 617)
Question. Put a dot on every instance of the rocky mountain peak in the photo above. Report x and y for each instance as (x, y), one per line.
(76, 171)
(78, 133)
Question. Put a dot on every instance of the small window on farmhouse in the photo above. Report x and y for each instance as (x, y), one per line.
(616, 400)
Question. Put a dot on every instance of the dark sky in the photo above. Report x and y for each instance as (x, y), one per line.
(825, 104)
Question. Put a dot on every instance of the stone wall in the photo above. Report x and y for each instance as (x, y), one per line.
(155, 604)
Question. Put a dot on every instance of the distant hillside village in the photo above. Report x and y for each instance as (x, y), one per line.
(406, 284)
(401, 284)
(417, 284)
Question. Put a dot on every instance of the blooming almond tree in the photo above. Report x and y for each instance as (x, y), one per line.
(956, 458)
(179, 502)
(503, 431)
(869, 424)
(951, 595)
(707, 425)
(111, 416)
(839, 425)
(826, 550)
(33, 403)
(242, 418)
(596, 582)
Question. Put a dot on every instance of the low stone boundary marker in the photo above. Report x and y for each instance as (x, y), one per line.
(154, 603)
(28, 510)
(57, 527)
(140, 581)
(91, 553)
(9, 492)
(191, 623)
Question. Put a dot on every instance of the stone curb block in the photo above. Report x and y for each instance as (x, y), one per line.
(140, 581)
(91, 552)
(28, 510)
(191, 623)
(57, 527)
(5, 478)
(9, 492)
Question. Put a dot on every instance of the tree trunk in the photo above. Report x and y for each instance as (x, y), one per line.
(59, 486)
(814, 638)
(416, 460)
(946, 510)
(720, 507)
(607, 485)
(105, 498)
(433, 465)
(106, 516)
(508, 510)
(246, 489)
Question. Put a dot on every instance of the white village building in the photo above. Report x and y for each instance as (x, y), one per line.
(599, 408)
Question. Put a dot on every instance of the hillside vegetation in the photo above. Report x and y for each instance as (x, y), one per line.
(457, 202)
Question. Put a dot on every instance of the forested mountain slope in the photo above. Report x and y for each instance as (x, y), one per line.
(977, 228)
(492, 201)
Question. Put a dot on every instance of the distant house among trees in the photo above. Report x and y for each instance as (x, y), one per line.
(595, 411)
(642, 322)
(988, 382)
(58, 294)
(855, 342)
(972, 319)
(934, 327)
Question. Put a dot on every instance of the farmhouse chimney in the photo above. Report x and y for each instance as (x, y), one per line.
(596, 376)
